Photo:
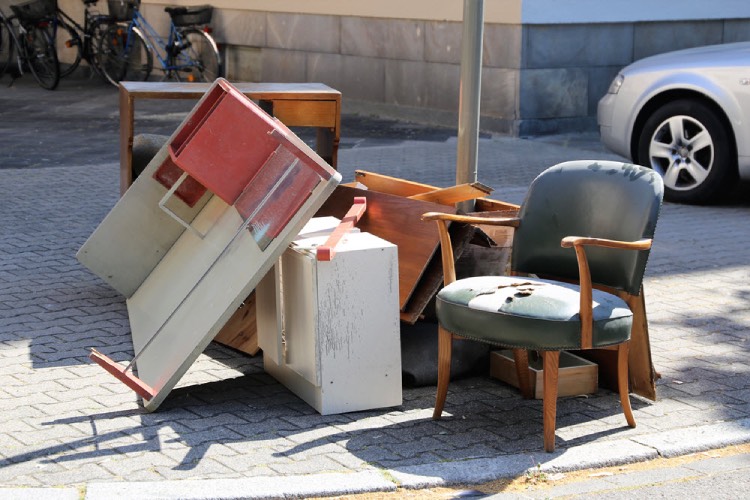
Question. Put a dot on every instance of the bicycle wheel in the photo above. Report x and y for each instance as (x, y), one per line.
(41, 57)
(69, 48)
(96, 30)
(140, 59)
(6, 47)
(199, 59)
(124, 55)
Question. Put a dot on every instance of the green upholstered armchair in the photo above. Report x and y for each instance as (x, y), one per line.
(580, 246)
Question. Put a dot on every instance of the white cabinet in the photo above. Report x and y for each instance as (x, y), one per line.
(330, 330)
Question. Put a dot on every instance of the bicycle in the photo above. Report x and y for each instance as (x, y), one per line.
(75, 42)
(5, 44)
(188, 52)
(26, 34)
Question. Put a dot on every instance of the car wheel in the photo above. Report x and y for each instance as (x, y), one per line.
(689, 146)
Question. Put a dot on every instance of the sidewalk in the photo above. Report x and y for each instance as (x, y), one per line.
(231, 431)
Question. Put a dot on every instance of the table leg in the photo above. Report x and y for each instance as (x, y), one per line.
(126, 139)
(325, 145)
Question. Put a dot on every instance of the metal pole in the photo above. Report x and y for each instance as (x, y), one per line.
(469, 95)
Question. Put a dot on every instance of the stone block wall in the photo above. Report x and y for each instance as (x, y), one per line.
(537, 78)
(567, 68)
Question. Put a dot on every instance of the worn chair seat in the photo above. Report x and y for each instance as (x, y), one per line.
(502, 310)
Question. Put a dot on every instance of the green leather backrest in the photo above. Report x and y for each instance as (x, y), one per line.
(601, 199)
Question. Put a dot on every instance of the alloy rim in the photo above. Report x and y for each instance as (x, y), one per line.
(682, 151)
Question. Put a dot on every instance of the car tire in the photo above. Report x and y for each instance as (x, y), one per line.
(689, 145)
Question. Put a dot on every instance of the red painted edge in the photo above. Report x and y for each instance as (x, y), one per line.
(326, 251)
(139, 386)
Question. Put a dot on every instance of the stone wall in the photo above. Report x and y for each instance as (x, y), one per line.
(566, 69)
(537, 78)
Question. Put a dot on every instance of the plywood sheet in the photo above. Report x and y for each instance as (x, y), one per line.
(241, 331)
(432, 278)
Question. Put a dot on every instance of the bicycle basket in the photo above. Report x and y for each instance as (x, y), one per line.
(35, 10)
(190, 16)
(122, 10)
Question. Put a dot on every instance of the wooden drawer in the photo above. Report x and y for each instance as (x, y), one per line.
(576, 376)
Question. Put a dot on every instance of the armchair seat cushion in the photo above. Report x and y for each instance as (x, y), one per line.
(529, 313)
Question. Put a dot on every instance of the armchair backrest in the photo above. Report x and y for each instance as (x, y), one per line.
(601, 199)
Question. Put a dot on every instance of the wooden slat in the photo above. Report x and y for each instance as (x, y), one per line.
(487, 205)
(640, 365)
(126, 377)
(398, 220)
(391, 185)
(454, 194)
(327, 250)
(641, 370)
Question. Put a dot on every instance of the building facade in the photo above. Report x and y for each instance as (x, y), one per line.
(546, 63)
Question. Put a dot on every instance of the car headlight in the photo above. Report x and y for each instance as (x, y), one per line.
(614, 87)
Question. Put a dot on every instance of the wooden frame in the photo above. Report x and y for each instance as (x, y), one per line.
(295, 104)
(577, 375)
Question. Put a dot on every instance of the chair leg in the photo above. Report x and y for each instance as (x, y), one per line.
(445, 348)
(521, 358)
(551, 366)
(622, 382)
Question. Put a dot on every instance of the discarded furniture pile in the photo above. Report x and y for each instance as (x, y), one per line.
(234, 230)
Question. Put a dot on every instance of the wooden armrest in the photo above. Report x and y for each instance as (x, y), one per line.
(584, 276)
(570, 241)
(468, 219)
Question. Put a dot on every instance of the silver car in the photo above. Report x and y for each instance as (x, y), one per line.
(686, 114)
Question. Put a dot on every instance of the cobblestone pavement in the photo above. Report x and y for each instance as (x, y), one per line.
(65, 422)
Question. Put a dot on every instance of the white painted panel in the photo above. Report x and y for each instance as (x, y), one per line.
(358, 325)
(136, 234)
(342, 327)
(300, 314)
(176, 281)
(268, 319)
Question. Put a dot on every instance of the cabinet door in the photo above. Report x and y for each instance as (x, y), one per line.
(268, 315)
(300, 319)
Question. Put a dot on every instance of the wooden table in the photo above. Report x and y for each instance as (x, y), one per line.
(295, 104)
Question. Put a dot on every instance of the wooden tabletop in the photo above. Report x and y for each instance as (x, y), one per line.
(179, 90)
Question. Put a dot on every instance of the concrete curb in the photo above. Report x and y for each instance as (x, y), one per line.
(474, 471)
(693, 439)
(257, 487)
